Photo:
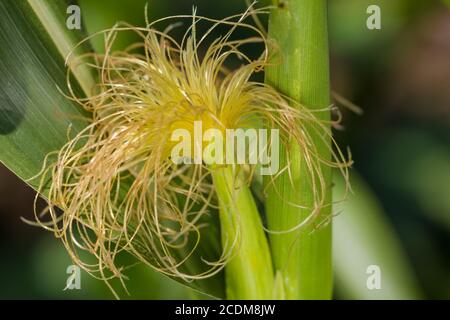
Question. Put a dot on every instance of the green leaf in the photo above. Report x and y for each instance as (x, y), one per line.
(363, 237)
(34, 114)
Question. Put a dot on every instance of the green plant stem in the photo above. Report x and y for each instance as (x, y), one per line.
(249, 273)
(301, 71)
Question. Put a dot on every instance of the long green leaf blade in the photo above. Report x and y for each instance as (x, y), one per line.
(35, 117)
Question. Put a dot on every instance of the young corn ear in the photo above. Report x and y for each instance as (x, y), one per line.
(249, 273)
(116, 181)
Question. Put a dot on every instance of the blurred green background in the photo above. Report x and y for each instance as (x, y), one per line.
(398, 217)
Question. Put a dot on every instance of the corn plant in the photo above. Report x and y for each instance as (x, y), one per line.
(92, 133)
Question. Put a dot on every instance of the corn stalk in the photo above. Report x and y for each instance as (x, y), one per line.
(301, 71)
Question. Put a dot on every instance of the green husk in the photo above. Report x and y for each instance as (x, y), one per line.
(248, 273)
(301, 71)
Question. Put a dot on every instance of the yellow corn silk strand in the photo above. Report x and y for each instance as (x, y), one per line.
(116, 183)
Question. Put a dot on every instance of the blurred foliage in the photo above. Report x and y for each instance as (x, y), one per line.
(363, 237)
(401, 148)
(348, 32)
(45, 269)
